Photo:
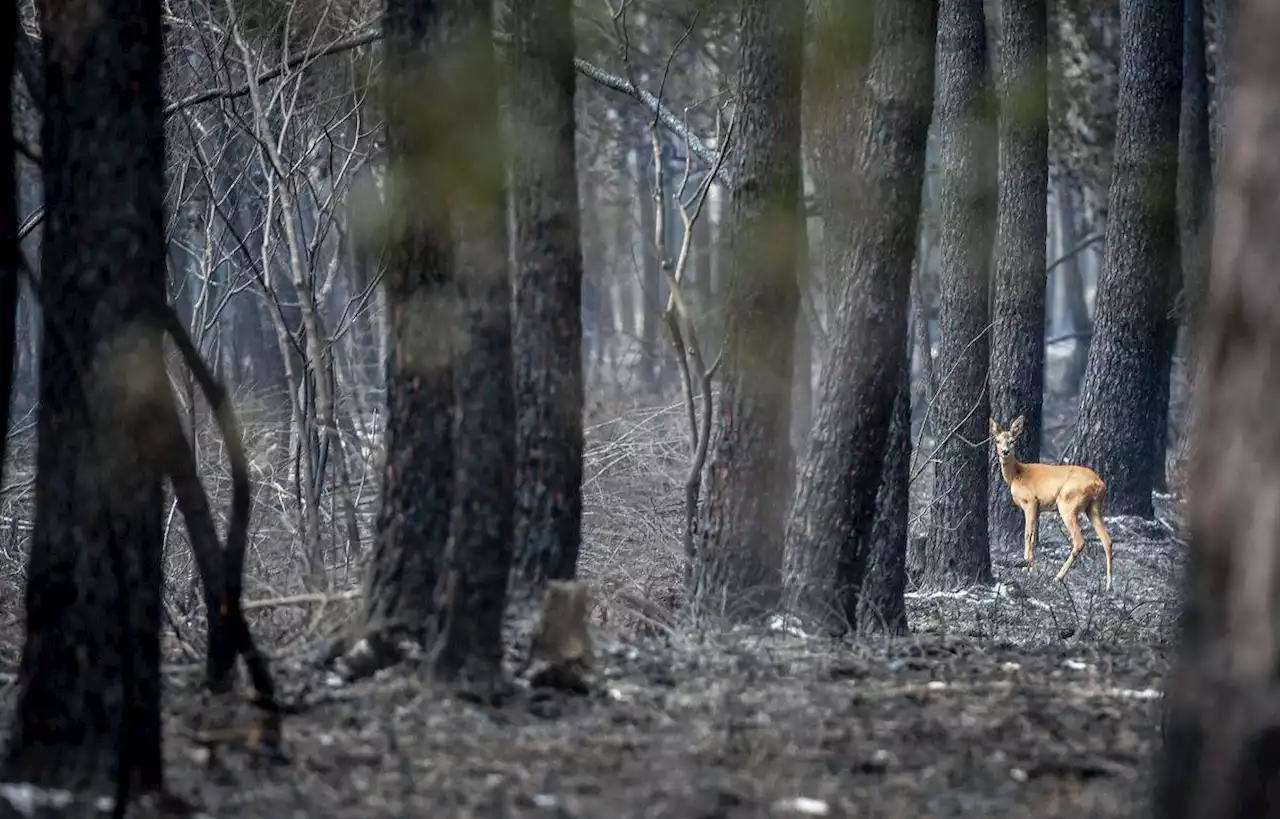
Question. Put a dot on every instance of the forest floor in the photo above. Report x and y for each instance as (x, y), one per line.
(1028, 699)
(1024, 699)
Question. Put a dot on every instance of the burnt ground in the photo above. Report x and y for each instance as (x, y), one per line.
(1025, 699)
(1029, 699)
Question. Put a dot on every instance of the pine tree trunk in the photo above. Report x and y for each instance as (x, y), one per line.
(548, 292)
(95, 573)
(882, 610)
(10, 248)
(1218, 755)
(1195, 173)
(749, 475)
(873, 184)
(1018, 317)
(418, 475)
(481, 524)
(1116, 434)
(958, 553)
(1073, 281)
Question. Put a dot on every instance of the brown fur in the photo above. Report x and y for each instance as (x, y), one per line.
(1071, 488)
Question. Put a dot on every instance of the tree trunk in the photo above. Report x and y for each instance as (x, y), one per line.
(10, 248)
(418, 476)
(958, 553)
(881, 607)
(647, 278)
(1218, 756)
(1073, 288)
(1116, 434)
(1195, 182)
(873, 183)
(95, 573)
(802, 368)
(1017, 328)
(1194, 196)
(481, 526)
(738, 570)
(548, 292)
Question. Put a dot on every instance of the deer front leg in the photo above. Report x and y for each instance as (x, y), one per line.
(1031, 513)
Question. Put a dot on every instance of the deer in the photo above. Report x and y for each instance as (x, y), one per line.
(1035, 486)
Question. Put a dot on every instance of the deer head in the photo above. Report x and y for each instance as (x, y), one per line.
(1004, 439)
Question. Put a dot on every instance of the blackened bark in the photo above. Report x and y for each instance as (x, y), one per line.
(10, 249)
(95, 573)
(881, 607)
(412, 526)
(958, 553)
(1218, 757)
(1017, 320)
(1187, 279)
(874, 183)
(481, 526)
(1195, 184)
(1116, 434)
(548, 292)
(1073, 286)
(738, 570)
(802, 367)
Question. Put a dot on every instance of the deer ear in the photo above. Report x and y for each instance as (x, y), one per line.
(1016, 426)
(995, 428)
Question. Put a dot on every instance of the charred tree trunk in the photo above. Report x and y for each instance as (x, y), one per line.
(1194, 196)
(1195, 182)
(10, 248)
(749, 475)
(548, 293)
(1017, 326)
(958, 554)
(1218, 758)
(412, 526)
(881, 607)
(873, 184)
(481, 526)
(95, 574)
(1116, 432)
(1073, 287)
(802, 368)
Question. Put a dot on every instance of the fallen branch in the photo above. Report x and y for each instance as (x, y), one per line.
(301, 599)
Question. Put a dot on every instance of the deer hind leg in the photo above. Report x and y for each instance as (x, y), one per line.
(1095, 516)
(1031, 513)
(1070, 511)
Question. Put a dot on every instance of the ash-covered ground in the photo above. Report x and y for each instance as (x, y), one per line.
(1029, 699)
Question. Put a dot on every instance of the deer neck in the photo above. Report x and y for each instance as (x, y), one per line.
(1010, 469)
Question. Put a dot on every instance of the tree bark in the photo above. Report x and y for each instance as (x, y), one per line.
(412, 526)
(882, 610)
(1218, 756)
(548, 292)
(1017, 321)
(95, 573)
(874, 184)
(958, 554)
(481, 526)
(1195, 171)
(1073, 287)
(738, 570)
(10, 248)
(1116, 434)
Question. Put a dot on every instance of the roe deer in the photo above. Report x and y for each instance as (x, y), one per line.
(1073, 489)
